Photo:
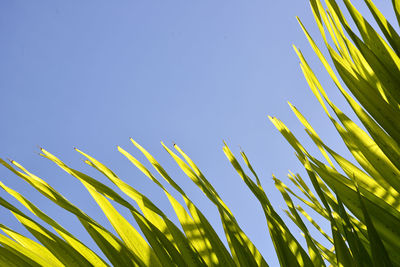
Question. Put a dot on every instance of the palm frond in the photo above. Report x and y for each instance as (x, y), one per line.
(358, 198)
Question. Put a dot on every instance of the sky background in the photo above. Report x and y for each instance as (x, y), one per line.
(91, 74)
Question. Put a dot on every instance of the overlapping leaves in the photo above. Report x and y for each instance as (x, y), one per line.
(359, 198)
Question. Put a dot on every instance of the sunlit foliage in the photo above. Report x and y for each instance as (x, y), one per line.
(361, 203)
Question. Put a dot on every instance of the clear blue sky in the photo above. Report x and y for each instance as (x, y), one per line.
(91, 74)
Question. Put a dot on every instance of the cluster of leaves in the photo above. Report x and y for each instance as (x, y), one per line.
(361, 203)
